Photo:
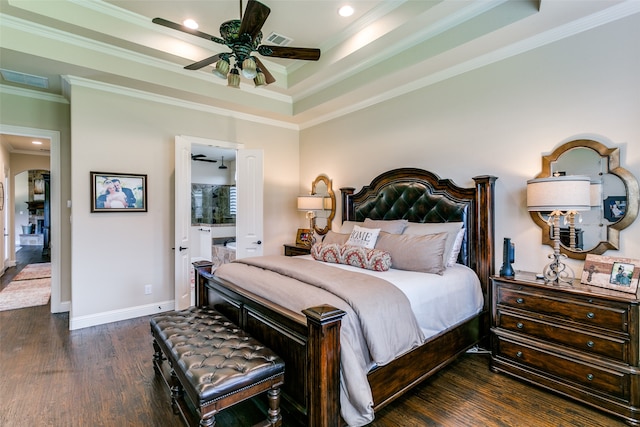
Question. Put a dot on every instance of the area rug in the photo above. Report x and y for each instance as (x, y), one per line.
(34, 271)
(25, 293)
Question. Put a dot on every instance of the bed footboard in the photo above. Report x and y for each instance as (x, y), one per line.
(309, 345)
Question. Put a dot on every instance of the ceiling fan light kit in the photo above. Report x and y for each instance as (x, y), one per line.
(233, 79)
(243, 37)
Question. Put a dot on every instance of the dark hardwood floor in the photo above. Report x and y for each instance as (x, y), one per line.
(103, 376)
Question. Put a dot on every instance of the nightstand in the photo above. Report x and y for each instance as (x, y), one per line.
(580, 341)
(294, 250)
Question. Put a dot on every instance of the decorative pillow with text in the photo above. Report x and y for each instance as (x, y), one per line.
(365, 237)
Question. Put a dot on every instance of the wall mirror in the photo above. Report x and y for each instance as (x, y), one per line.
(322, 186)
(614, 198)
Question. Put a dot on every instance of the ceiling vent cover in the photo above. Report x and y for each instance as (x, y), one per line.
(279, 39)
(25, 79)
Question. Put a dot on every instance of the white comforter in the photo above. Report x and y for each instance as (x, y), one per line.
(438, 302)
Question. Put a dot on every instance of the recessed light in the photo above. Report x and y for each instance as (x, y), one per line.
(190, 23)
(36, 142)
(345, 11)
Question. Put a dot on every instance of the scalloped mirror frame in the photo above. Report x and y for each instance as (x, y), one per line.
(332, 196)
(613, 230)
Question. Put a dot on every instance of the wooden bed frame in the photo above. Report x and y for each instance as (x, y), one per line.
(309, 342)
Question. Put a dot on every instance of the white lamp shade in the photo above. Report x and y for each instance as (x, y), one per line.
(562, 193)
(310, 203)
(596, 193)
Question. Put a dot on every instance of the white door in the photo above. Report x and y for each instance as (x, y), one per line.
(249, 224)
(249, 170)
(182, 184)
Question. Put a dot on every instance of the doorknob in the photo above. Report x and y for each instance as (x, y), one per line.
(259, 242)
(182, 249)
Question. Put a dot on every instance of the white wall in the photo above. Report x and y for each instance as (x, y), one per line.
(116, 254)
(499, 120)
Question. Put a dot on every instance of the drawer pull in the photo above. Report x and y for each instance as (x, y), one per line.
(519, 354)
(590, 377)
(591, 315)
(520, 300)
(590, 344)
(520, 325)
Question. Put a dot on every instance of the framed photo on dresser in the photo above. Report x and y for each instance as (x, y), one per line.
(619, 274)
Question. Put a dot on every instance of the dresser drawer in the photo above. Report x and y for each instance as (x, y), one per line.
(589, 343)
(568, 370)
(612, 317)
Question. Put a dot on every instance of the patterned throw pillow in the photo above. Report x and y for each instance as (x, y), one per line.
(357, 256)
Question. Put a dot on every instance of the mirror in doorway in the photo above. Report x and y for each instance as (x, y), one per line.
(213, 204)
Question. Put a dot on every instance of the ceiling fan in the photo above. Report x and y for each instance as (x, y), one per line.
(222, 166)
(202, 158)
(243, 37)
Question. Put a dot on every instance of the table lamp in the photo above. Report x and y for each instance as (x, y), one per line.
(310, 204)
(558, 196)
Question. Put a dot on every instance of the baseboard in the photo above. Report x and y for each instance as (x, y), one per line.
(80, 322)
(63, 307)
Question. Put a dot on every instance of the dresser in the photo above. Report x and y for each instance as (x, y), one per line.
(580, 341)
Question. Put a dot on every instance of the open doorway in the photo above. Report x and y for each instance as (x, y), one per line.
(52, 161)
(31, 213)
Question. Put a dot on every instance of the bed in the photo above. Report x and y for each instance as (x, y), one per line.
(309, 340)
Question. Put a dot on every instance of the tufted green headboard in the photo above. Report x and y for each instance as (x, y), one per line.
(421, 196)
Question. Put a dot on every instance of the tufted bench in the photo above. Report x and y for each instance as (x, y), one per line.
(215, 363)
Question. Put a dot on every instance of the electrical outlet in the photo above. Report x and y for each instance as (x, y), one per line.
(147, 289)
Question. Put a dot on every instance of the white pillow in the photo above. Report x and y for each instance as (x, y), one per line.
(393, 226)
(424, 228)
(364, 237)
(455, 250)
(347, 226)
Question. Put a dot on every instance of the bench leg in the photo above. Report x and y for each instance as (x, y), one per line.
(208, 422)
(274, 418)
(176, 392)
(157, 357)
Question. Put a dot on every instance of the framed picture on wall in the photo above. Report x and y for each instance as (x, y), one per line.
(620, 274)
(614, 207)
(118, 192)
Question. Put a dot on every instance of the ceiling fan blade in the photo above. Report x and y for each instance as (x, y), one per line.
(174, 26)
(304, 53)
(255, 14)
(196, 156)
(207, 61)
(267, 75)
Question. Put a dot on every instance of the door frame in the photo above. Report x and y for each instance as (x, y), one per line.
(57, 305)
(182, 278)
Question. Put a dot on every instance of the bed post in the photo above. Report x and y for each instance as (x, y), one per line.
(485, 229)
(348, 211)
(323, 356)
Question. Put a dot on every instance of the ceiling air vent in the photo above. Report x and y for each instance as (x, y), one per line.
(25, 79)
(279, 39)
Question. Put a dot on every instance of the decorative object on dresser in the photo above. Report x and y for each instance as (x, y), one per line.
(580, 341)
(610, 182)
(620, 274)
(309, 340)
(559, 196)
(302, 237)
(296, 249)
